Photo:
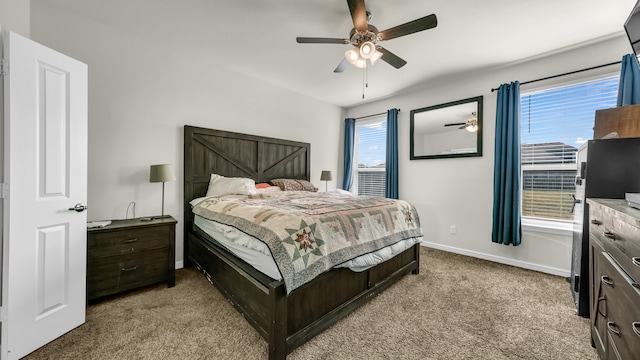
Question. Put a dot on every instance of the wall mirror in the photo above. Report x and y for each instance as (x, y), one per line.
(447, 130)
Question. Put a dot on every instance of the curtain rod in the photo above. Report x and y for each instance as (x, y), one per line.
(372, 115)
(567, 73)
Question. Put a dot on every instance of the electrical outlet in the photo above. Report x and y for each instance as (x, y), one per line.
(453, 230)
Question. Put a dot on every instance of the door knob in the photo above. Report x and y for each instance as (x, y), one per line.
(80, 207)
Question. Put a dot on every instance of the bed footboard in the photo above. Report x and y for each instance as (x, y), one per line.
(288, 321)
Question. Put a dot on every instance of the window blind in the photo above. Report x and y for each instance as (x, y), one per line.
(371, 140)
(553, 124)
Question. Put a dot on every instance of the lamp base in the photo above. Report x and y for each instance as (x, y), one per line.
(162, 216)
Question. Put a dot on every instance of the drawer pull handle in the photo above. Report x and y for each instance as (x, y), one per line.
(129, 241)
(636, 261)
(131, 268)
(605, 279)
(636, 327)
(610, 235)
(596, 222)
(613, 328)
(598, 306)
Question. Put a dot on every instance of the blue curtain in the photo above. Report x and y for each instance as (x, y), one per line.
(506, 173)
(349, 133)
(629, 87)
(391, 183)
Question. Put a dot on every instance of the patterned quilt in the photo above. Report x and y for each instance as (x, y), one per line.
(308, 233)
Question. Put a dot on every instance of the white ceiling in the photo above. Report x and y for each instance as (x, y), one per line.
(257, 37)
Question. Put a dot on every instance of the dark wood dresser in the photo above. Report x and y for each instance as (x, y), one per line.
(128, 254)
(614, 268)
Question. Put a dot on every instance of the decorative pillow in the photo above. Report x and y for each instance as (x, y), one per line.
(294, 185)
(262, 185)
(268, 189)
(220, 185)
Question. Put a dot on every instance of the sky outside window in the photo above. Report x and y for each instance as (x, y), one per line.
(570, 123)
(371, 143)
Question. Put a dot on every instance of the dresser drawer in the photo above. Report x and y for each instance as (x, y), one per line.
(127, 241)
(622, 312)
(109, 275)
(623, 244)
(600, 223)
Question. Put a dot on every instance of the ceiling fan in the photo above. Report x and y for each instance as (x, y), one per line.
(365, 37)
(471, 125)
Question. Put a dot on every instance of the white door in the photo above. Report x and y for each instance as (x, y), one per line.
(45, 170)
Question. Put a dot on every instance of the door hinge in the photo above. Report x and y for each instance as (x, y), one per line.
(4, 67)
(4, 191)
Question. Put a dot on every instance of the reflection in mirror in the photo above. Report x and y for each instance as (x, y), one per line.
(447, 130)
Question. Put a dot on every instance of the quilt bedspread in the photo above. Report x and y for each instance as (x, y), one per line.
(309, 233)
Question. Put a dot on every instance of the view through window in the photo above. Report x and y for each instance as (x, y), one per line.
(371, 140)
(554, 123)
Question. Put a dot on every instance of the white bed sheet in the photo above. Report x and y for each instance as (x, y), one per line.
(257, 254)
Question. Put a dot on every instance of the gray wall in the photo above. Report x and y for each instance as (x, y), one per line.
(459, 191)
(14, 16)
(142, 92)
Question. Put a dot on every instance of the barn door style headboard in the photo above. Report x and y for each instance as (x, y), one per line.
(230, 154)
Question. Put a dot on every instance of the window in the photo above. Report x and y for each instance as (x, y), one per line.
(370, 155)
(553, 124)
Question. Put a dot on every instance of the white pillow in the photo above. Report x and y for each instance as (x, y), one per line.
(220, 185)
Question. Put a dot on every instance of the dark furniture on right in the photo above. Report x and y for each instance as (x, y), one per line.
(614, 265)
(607, 168)
(623, 120)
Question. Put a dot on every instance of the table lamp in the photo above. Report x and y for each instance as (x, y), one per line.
(162, 173)
(325, 176)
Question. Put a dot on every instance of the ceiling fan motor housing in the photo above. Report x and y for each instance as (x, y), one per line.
(358, 37)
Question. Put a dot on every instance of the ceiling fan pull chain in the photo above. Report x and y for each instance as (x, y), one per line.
(363, 70)
(366, 72)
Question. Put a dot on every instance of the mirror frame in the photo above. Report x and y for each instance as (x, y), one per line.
(478, 151)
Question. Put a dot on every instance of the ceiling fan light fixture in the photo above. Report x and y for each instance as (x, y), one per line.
(352, 56)
(361, 63)
(472, 124)
(375, 57)
(367, 50)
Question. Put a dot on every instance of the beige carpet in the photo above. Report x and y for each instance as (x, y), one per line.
(457, 308)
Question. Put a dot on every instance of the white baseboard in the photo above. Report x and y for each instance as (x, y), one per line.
(179, 264)
(499, 259)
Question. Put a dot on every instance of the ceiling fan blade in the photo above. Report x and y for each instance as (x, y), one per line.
(317, 40)
(454, 124)
(358, 14)
(424, 23)
(391, 58)
(343, 65)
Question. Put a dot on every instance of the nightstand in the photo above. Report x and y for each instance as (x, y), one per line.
(128, 254)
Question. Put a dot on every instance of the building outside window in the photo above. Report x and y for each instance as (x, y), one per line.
(554, 123)
(370, 155)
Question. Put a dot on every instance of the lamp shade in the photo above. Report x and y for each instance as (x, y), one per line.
(161, 173)
(352, 55)
(367, 49)
(325, 175)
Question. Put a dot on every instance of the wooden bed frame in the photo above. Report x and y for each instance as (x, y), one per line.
(285, 321)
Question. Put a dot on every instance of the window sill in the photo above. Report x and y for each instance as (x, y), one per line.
(547, 226)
